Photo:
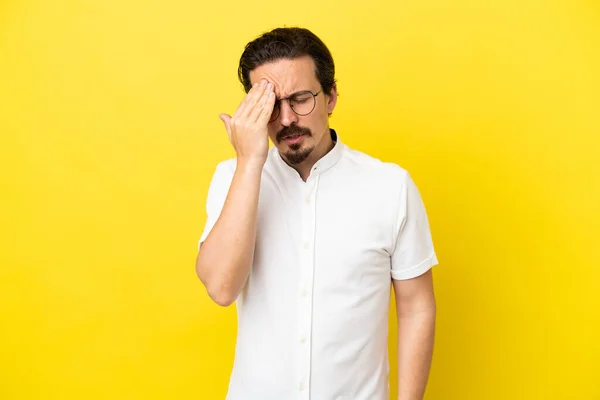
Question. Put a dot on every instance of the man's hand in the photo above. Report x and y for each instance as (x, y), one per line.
(225, 258)
(247, 129)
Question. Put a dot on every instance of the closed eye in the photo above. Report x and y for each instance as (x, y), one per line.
(300, 100)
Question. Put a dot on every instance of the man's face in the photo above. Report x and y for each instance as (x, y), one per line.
(296, 136)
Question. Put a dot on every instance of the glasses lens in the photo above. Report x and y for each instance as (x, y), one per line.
(303, 103)
(275, 112)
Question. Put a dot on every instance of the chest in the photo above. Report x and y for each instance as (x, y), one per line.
(328, 235)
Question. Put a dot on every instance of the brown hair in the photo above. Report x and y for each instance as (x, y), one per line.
(287, 43)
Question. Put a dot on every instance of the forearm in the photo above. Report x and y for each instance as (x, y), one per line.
(415, 349)
(225, 257)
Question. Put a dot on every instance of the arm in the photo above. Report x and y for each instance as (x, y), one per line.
(412, 260)
(225, 257)
(416, 311)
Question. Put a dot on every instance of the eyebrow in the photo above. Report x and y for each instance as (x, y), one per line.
(293, 94)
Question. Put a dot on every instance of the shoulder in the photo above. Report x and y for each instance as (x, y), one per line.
(225, 169)
(227, 165)
(375, 169)
(222, 174)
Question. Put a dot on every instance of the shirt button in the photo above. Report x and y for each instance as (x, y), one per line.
(305, 246)
(304, 292)
(308, 200)
(303, 340)
(301, 387)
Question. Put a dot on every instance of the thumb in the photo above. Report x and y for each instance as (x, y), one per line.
(226, 118)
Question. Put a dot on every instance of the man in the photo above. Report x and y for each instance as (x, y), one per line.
(308, 237)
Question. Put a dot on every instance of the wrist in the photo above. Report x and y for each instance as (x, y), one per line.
(251, 164)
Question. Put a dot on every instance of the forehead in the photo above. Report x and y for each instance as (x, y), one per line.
(287, 75)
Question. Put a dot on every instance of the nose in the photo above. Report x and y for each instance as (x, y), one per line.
(286, 115)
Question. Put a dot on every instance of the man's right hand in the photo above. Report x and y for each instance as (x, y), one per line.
(247, 129)
(225, 258)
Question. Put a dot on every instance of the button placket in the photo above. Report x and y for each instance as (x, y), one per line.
(306, 286)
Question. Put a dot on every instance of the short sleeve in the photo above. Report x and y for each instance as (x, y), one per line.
(413, 253)
(217, 193)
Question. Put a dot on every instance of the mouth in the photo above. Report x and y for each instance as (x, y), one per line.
(293, 139)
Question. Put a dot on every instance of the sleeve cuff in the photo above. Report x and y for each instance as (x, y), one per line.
(417, 270)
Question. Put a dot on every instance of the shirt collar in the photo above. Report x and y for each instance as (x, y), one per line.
(331, 158)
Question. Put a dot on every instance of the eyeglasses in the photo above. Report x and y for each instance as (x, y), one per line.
(302, 103)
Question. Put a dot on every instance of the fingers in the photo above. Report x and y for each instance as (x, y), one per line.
(254, 99)
(261, 104)
(267, 109)
(244, 102)
(250, 100)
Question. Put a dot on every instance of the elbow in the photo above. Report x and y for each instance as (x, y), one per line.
(220, 292)
(224, 298)
(221, 288)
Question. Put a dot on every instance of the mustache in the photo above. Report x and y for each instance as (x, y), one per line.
(292, 130)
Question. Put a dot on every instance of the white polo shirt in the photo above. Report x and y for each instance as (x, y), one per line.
(313, 316)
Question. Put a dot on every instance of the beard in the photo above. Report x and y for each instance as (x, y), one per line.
(296, 153)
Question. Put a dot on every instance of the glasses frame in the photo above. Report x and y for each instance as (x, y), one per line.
(278, 104)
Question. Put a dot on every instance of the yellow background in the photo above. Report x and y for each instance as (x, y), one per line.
(110, 134)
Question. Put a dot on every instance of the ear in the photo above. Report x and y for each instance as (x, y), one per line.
(332, 99)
